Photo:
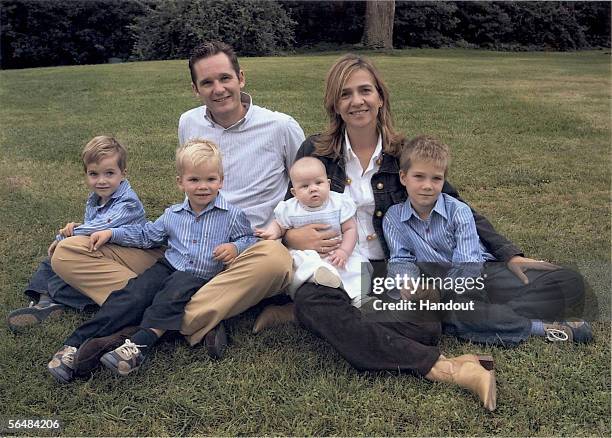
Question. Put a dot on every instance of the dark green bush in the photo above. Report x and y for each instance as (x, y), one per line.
(37, 33)
(170, 29)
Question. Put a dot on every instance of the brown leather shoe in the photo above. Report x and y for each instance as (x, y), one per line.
(468, 375)
(88, 355)
(272, 316)
(216, 341)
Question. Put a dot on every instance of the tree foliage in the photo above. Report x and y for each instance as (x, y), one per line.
(170, 29)
(41, 33)
(44, 32)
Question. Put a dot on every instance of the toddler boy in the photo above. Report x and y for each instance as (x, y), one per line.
(202, 234)
(111, 203)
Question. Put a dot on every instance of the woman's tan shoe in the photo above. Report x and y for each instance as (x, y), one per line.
(484, 360)
(468, 375)
(272, 316)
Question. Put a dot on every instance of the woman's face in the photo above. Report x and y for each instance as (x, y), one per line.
(359, 101)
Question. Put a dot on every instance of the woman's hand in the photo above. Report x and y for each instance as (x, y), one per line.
(316, 237)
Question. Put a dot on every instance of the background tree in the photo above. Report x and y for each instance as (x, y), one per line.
(378, 30)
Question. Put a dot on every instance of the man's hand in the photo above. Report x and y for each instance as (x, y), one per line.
(316, 237)
(338, 258)
(68, 230)
(99, 238)
(51, 248)
(226, 253)
(518, 265)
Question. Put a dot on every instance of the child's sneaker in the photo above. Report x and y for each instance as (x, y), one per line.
(32, 315)
(124, 359)
(62, 365)
(567, 331)
(91, 351)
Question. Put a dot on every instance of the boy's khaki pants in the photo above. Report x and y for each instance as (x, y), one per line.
(261, 271)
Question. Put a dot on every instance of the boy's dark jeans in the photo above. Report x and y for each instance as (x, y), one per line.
(46, 281)
(155, 299)
(503, 310)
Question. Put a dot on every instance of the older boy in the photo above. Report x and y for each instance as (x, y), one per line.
(111, 203)
(259, 146)
(435, 234)
(203, 233)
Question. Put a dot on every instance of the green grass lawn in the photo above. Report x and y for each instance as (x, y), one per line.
(530, 134)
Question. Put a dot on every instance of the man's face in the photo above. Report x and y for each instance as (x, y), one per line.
(218, 88)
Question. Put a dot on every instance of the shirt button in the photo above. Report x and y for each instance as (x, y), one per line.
(380, 186)
(197, 219)
(379, 161)
(195, 241)
(191, 262)
(348, 181)
(371, 236)
(379, 213)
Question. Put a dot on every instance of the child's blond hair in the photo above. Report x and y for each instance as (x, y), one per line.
(425, 148)
(101, 147)
(196, 152)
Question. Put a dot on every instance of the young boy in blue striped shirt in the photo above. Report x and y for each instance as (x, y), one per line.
(434, 234)
(202, 234)
(111, 203)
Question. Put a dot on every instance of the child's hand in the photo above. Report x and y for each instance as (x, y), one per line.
(68, 230)
(266, 233)
(338, 258)
(51, 248)
(99, 238)
(226, 253)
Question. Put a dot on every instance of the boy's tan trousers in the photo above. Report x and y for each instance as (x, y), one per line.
(261, 271)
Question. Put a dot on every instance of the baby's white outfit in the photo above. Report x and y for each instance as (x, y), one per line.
(334, 212)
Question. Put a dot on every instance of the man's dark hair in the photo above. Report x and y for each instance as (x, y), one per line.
(212, 48)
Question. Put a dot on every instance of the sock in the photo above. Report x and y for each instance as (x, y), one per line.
(44, 300)
(537, 327)
(145, 337)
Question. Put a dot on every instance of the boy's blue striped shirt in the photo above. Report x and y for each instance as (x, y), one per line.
(191, 237)
(448, 238)
(123, 208)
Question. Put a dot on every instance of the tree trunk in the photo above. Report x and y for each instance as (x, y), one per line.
(378, 30)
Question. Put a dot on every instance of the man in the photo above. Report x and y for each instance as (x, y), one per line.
(258, 147)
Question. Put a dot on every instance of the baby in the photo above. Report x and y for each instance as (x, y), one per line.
(313, 203)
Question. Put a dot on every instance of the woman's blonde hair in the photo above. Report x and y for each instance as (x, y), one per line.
(197, 151)
(329, 143)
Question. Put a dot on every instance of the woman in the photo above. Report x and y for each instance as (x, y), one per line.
(360, 151)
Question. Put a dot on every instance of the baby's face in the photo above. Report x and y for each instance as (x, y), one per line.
(310, 185)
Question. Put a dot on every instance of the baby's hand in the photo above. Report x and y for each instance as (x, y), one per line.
(68, 230)
(226, 253)
(98, 239)
(266, 233)
(51, 248)
(338, 258)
